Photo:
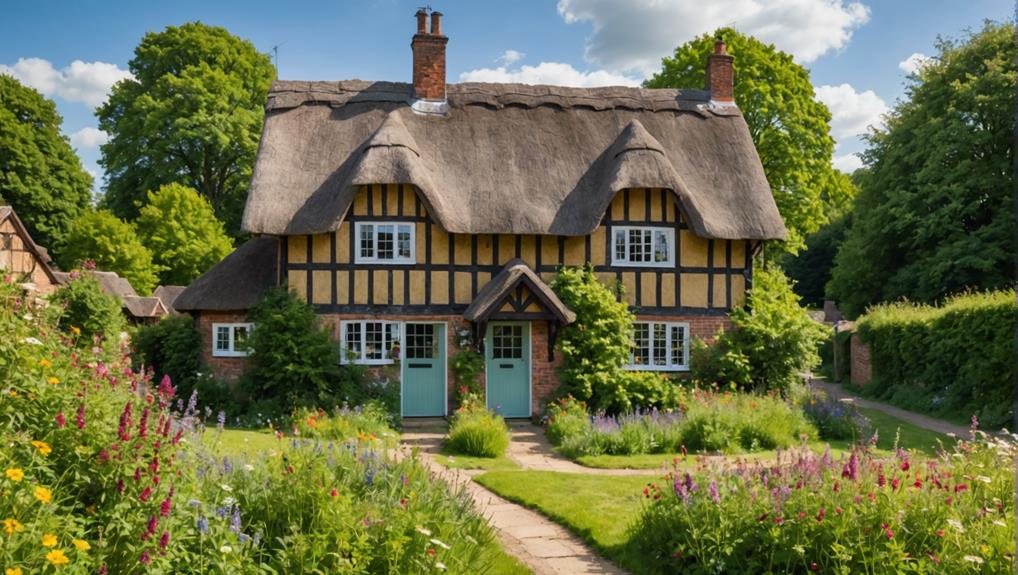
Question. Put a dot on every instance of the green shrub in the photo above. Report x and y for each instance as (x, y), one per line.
(467, 364)
(293, 358)
(478, 432)
(952, 361)
(170, 347)
(566, 417)
(772, 342)
(85, 311)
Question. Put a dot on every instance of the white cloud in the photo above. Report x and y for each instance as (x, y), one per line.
(89, 138)
(87, 82)
(852, 113)
(913, 63)
(554, 73)
(635, 36)
(510, 57)
(847, 163)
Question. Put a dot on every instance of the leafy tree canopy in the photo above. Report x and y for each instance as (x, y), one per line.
(789, 125)
(114, 246)
(191, 114)
(934, 216)
(40, 175)
(180, 229)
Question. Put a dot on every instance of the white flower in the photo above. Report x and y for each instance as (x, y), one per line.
(440, 566)
(999, 523)
(440, 544)
(226, 549)
(423, 531)
(226, 488)
(956, 524)
(984, 479)
(229, 501)
(950, 434)
(973, 559)
(248, 467)
(32, 341)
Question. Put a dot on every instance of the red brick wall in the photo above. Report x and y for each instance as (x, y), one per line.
(860, 366)
(544, 379)
(429, 66)
(223, 368)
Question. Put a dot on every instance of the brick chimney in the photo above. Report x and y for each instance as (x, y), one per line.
(429, 57)
(720, 74)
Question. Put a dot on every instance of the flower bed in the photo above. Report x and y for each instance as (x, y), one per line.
(861, 514)
(706, 421)
(103, 471)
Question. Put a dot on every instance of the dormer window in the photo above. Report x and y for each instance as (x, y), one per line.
(640, 246)
(385, 243)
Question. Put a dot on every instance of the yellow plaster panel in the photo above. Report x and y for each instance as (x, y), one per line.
(739, 254)
(321, 245)
(629, 283)
(343, 288)
(618, 206)
(416, 287)
(654, 197)
(738, 290)
(439, 245)
(298, 282)
(693, 250)
(298, 249)
(668, 290)
(648, 289)
(461, 249)
(392, 200)
(321, 286)
(375, 201)
(343, 243)
(719, 253)
(549, 250)
(606, 278)
(719, 291)
(360, 286)
(534, 307)
(528, 250)
(409, 200)
(482, 278)
(637, 205)
(506, 307)
(597, 246)
(420, 242)
(484, 249)
(462, 289)
(398, 292)
(440, 288)
(694, 290)
(576, 251)
(380, 287)
(360, 201)
(506, 248)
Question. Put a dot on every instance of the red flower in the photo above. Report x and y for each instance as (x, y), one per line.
(918, 482)
(334, 492)
(904, 465)
(821, 514)
(431, 551)
(837, 486)
(838, 510)
(940, 532)
(61, 422)
(895, 483)
(814, 567)
(79, 418)
(960, 487)
(145, 494)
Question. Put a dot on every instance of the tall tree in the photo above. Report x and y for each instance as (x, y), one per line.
(180, 229)
(191, 114)
(40, 175)
(934, 216)
(113, 245)
(789, 125)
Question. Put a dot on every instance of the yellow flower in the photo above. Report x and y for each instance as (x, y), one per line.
(45, 362)
(12, 571)
(43, 447)
(49, 540)
(13, 393)
(75, 330)
(15, 474)
(57, 557)
(44, 495)
(12, 526)
(53, 380)
(82, 545)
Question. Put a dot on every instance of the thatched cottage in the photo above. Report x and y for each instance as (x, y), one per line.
(406, 213)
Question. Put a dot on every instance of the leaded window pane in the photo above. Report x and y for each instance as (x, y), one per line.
(620, 245)
(659, 344)
(367, 241)
(404, 241)
(374, 340)
(353, 340)
(420, 341)
(641, 344)
(678, 345)
(386, 243)
(660, 246)
(507, 342)
(223, 338)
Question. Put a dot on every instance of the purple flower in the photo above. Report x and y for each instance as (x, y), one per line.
(221, 420)
(202, 525)
(235, 524)
(713, 490)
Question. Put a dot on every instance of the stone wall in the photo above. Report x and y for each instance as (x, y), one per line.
(861, 369)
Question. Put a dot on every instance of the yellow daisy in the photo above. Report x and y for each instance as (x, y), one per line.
(12, 526)
(57, 557)
(75, 330)
(82, 545)
(53, 380)
(12, 571)
(43, 447)
(49, 540)
(15, 474)
(44, 495)
(45, 362)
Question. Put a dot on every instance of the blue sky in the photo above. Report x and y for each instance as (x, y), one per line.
(73, 51)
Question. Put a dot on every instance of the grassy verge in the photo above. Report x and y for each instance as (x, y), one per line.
(243, 441)
(909, 437)
(454, 461)
(598, 508)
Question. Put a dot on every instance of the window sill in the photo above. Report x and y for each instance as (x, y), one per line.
(385, 262)
(659, 265)
(229, 354)
(656, 367)
(369, 362)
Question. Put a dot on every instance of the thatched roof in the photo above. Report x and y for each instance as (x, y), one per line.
(237, 282)
(507, 158)
(168, 295)
(114, 285)
(515, 273)
(144, 307)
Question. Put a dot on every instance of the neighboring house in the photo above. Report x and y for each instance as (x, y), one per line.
(138, 309)
(409, 212)
(167, 295)
(22, 257)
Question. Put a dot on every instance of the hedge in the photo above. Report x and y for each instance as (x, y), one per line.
(952, 361)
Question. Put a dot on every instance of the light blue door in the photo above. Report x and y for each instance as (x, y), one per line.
(507, 363)
(423, 370)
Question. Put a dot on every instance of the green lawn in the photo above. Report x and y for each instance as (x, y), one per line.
(243, 441)
(598, 508)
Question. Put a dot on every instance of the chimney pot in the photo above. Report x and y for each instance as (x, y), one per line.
(719, 46)
(422, 21)
(436, 23)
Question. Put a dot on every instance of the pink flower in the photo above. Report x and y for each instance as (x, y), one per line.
(79, 417)
(145, 559)
(61, 422)
(145, 494)
(164, 540)
(143, 423)
(895, 483)
(120, 486)
(164, 507)
(125, 423)
(821, 514)
(960, 487)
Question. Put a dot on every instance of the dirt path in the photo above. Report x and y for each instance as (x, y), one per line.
(541, 544)
(917, 419)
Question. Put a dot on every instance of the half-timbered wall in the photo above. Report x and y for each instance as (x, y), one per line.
(708, 276)
(16, 258)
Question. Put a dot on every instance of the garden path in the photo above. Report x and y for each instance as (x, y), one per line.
(531, 449)
(539, 543)
(917, 419)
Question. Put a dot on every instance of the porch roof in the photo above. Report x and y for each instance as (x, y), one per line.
(514, 274)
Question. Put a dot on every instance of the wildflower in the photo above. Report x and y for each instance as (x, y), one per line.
(164, 507)
(57, 557)
(960, 487)
(957, 525)
(440, 544)
(202, 525)
(225, 549)
(75, 330)
(814, 567)
(43, 447)
(32, 341)
(983, 478)
(143, 423)
(334, 492)
(49, 540)
(713, 490)
(13, 571)
(887, 531)
(15, 474)
(423, 531)
(431, 551)
(440, 566)
(43, 495)
(145, 494)
(12, 526)
(940, 532)
(895, 483)
(145, 558)
(973, 558)
(125, 423)
(821, 514)
(918, 483)
(226, 488)
(164, 540)
(52, 380)
(60, 420)
(79, 418)
(81, 544)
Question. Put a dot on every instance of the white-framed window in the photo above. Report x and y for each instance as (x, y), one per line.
(642, 246)
(384, 243)
(230, 339)
(660, 346)
(368, 342)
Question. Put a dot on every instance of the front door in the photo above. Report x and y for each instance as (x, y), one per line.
(507, 365)
(423, 370)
